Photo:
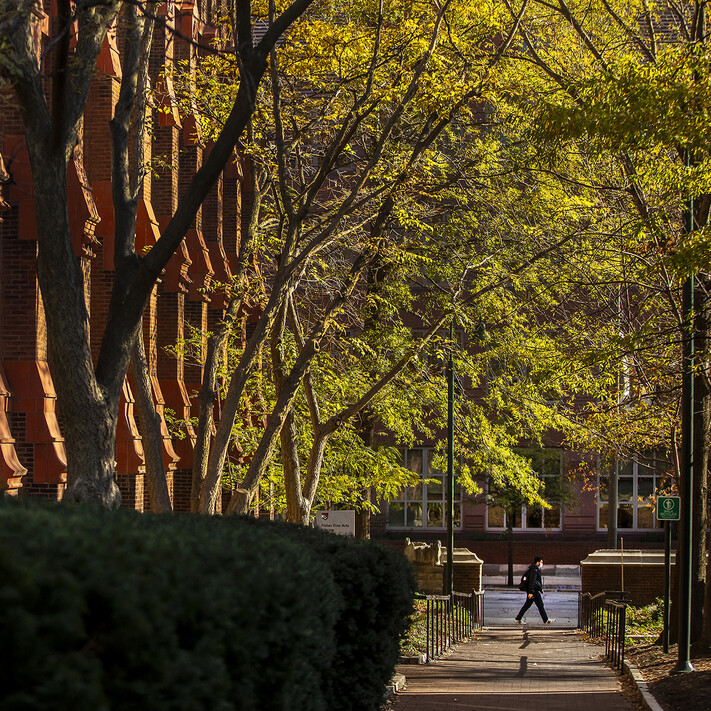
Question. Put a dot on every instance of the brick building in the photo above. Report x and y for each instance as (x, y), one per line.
(563, 534)
(32, 452)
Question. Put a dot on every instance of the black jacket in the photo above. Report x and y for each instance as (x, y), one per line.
(533, 578)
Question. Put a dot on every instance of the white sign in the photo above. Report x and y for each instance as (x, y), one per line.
(341, 522)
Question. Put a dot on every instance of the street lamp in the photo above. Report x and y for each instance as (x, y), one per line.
(450, 462)
(687, 473)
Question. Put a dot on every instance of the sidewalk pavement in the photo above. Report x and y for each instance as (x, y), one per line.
(509, 669)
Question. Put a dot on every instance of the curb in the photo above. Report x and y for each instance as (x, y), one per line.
(650, 703)
(397, 683)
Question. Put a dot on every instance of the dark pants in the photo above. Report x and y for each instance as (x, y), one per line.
(539, 604)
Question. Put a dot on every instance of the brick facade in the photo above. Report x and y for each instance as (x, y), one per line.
(640, 572)
(575, 539)
(32, 454)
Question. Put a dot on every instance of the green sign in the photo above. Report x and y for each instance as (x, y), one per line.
(668, 508)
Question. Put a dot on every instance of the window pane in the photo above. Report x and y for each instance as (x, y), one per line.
(517, 518)
(534, 517)
(666, 486)
(414, 493)
(414, 515)
(551, 487)
(645, 488)
(645, 466)
(396, 514)
(603, 516)
(414, 460)
(457, 518)
(625, 516)
(625, 489)
(434, 515)
(435, 489)
(551, 516)
(626, 468)
(604, 483)
(432, 470)
(496, 517)
(645, 517)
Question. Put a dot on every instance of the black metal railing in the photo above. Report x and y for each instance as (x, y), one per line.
(605, 620)
(450, 619)
(615, 632)
(591, 613)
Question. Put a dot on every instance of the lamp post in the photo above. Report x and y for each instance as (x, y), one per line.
(450, 462)
(683, 664)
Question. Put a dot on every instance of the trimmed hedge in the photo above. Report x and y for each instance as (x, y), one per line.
(377, 590)
(125, 611)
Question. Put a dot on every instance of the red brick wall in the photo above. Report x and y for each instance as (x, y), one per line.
(645, 582)
(559, 551)
(22, 334)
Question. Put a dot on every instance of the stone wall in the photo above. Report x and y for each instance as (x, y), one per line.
(429, 561)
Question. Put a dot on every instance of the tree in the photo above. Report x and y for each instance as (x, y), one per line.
(90, 395)
(628, 97)
(347, 154)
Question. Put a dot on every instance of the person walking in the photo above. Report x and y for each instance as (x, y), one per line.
(534, 591)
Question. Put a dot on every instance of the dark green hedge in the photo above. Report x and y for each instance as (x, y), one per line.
(123, 611)
(377, 587)
(126, 611)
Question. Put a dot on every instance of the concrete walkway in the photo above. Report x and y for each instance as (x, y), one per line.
(510, 669)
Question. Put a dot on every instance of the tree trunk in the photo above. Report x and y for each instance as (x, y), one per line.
(151, 430)
(240, 376)
(363, 516)
(89, 411)
(297, 511)
(215, 344)
(612, 505)
(510, 549)
(366, 431)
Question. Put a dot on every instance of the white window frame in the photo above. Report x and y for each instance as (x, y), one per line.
(630, 471)
(524, 509)
(410, 498)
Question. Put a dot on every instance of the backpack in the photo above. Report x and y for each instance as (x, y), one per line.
(523, 585)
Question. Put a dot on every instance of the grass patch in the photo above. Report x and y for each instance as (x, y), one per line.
(645, 621)
(414, 641)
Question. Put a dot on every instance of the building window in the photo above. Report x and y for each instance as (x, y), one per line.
(638, 485)
(423, 505)
(547, 464)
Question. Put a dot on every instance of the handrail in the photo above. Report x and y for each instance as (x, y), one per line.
(591, 613)
(450, 619)
(605, 619)
(615, 633)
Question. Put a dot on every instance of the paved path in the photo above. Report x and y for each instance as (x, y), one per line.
(514, 669)
(501, 606)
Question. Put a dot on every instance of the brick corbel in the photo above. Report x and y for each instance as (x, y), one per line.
(83, 213)
(21, 192)
(34, 395)
(178, 400)
(170, 457)
(201, 271)
(4, 180)
(130, 459)
(11, 470)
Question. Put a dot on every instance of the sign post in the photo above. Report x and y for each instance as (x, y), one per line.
(668, 509)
